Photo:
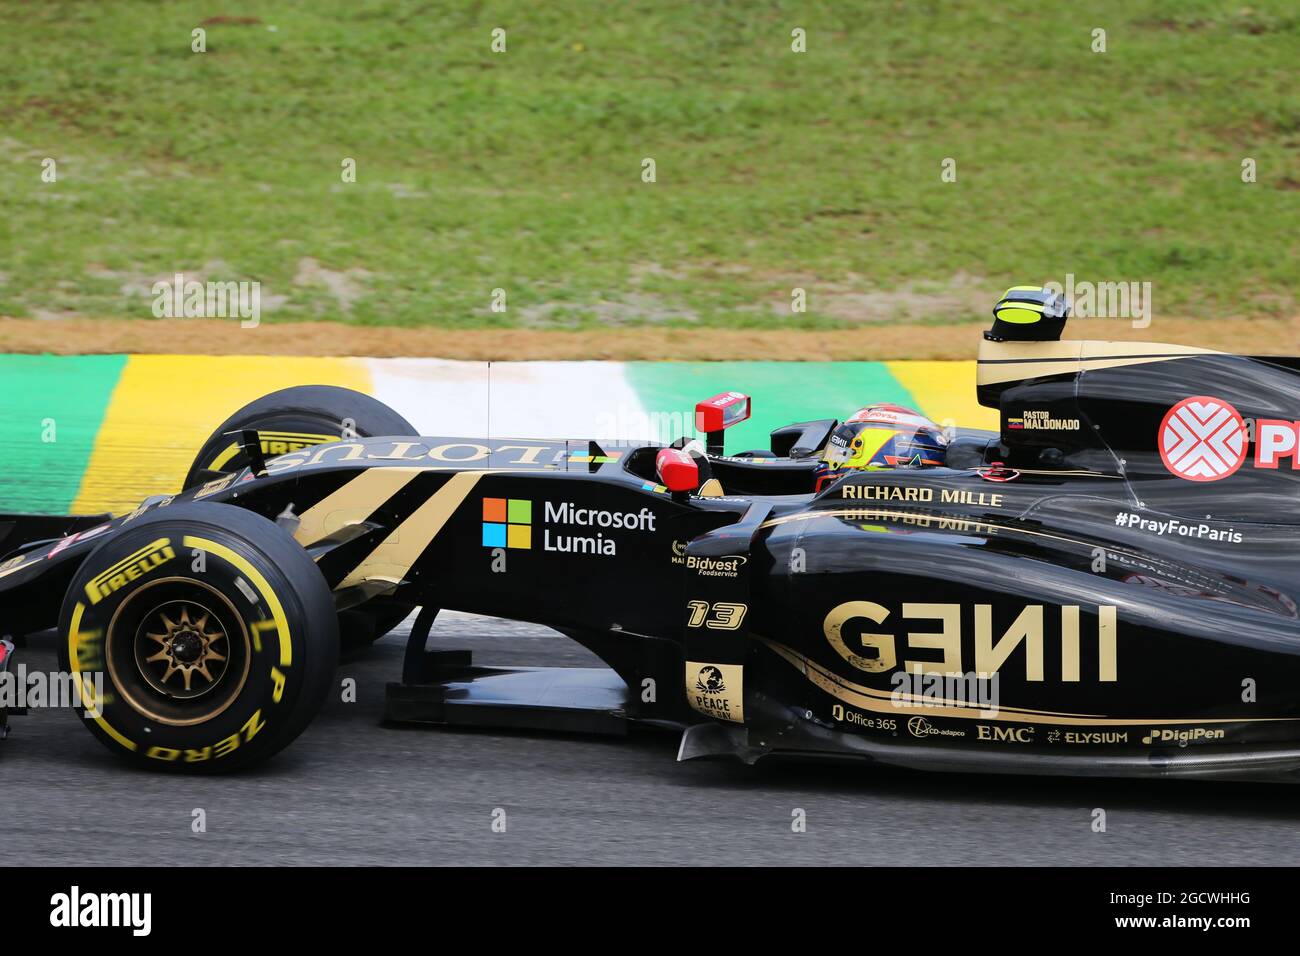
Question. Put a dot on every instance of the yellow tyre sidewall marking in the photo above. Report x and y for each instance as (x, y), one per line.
(87, 690)
(264, 437)
(245, 567)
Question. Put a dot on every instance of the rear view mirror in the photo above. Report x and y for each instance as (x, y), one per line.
(720, 412)
(677, 470)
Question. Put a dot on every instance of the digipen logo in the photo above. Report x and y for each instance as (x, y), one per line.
(1181, 737)
(74, 909)
(1203, 439)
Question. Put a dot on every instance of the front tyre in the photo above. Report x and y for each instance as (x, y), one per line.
(203, 637)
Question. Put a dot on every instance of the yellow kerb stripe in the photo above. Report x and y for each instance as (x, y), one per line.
(165, 406)
(945, 391)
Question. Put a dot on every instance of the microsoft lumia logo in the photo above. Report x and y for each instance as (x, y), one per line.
(507, 523)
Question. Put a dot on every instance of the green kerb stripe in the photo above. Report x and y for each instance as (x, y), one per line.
(51, 408)
(782, 392)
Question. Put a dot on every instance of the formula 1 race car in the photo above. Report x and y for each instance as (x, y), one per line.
(1108, 585)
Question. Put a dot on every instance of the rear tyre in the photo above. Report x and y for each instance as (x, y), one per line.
(212, 634)
(294, 418)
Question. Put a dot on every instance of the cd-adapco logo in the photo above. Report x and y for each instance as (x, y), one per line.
(1203, 439)
(920, 727)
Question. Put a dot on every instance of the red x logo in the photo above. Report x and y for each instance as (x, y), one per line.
(1203, 439)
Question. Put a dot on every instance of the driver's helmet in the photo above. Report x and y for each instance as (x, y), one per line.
(883, 436)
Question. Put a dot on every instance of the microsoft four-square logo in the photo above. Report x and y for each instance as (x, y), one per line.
(507, 523)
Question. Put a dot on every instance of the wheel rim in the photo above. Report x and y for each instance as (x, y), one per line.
(177, 651)
(190, 649)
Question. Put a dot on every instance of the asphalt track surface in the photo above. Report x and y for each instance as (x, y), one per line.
(353, 791)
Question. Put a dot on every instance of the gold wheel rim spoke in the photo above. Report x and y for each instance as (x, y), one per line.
(192, 628)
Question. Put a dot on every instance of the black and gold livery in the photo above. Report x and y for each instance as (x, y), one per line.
(1107, 585)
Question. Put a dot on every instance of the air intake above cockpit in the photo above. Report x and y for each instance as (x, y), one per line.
(1027, 313)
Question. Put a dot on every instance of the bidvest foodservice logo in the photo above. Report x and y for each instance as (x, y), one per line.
(508, 523)
(725, 566)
